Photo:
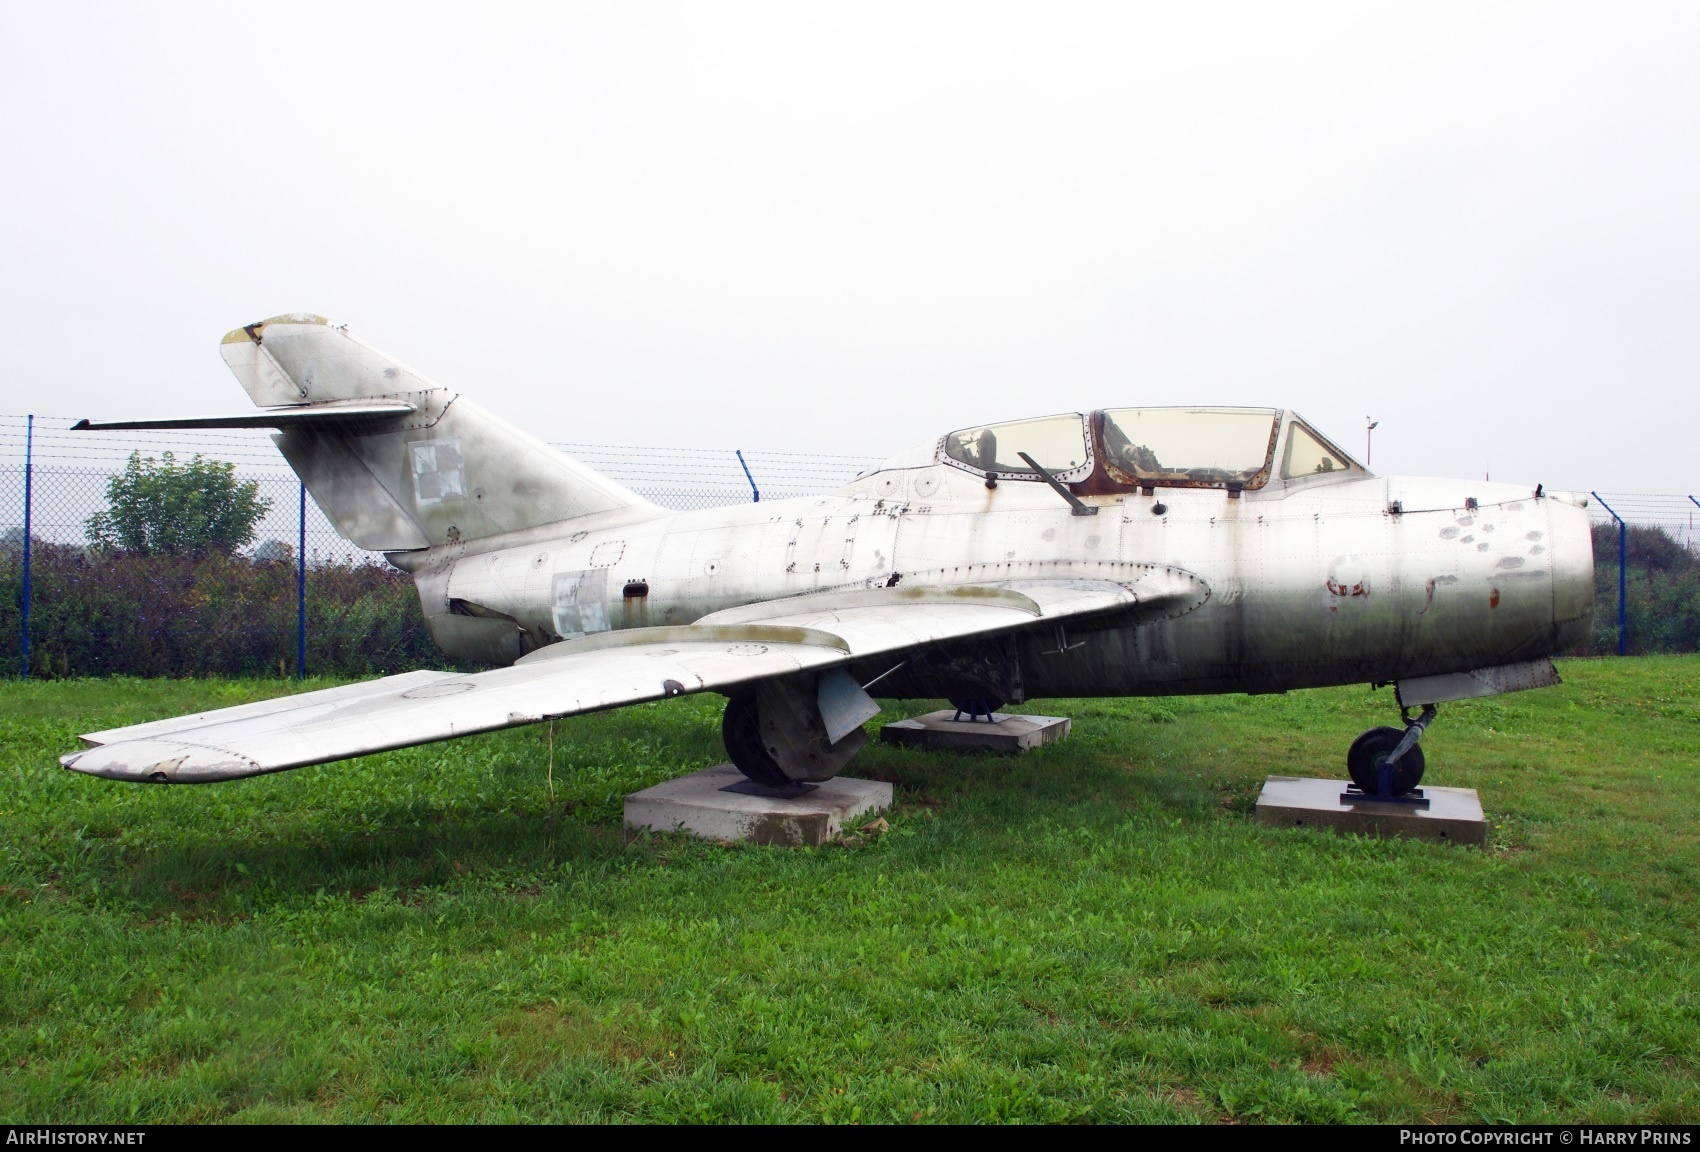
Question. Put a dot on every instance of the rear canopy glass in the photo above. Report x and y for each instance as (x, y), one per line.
(1189, 445)
(1057, 443)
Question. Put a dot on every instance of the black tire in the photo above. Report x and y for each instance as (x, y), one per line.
(1364, 759)
(741, 732)
(976, 705)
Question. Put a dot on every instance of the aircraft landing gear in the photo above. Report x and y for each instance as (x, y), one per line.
(1386, 763)
(976, 706)
(740, 729)
(776, 732)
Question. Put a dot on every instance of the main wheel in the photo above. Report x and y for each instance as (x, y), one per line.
(742, 734)
(1367, 753)
(976, 705)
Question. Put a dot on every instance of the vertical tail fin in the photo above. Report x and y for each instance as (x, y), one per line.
(446, 472)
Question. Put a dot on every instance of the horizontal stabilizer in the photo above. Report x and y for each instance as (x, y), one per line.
(292, 416)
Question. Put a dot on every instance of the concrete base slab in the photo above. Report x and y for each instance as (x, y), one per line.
(940, 732)
(699, 804)
(1453, 815)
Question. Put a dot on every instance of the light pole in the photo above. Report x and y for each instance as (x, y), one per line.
(1369, 428)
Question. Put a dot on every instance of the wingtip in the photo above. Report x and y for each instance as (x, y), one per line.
(160, 762)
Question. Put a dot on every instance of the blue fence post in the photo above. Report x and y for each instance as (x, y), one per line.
(301, 593)
(753, 489)
(29, 477)
(1622, 578)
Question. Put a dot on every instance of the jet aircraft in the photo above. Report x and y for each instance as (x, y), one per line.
(1135, 551)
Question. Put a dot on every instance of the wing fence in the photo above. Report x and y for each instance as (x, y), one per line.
(298, 597)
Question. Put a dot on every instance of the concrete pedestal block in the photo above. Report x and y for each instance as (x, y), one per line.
(699, 804)
(940, 732)
(1453, 815)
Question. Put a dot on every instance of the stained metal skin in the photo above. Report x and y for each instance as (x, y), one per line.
(959, 568)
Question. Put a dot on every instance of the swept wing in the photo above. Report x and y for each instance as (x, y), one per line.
(608, 670)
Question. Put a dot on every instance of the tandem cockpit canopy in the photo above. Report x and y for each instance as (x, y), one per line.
(1124, 449)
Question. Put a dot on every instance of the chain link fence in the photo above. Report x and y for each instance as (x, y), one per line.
(300, 598)
(1647, 573)
(1677, 516)
(71, 471)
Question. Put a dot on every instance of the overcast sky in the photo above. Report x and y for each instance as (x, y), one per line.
(845, 228)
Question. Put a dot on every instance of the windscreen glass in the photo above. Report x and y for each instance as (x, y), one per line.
(1057, 443)
(1189, 445)
(1309, 455)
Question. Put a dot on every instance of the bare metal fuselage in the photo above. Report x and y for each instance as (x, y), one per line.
(1121, 552)
(1331, 580)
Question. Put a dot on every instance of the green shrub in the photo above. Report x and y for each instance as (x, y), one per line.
(1664, 593)
(102, 613)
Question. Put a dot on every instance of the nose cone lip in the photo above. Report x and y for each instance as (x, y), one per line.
(161, 762)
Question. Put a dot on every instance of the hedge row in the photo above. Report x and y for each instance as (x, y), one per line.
(102, 614)
(1664, 593)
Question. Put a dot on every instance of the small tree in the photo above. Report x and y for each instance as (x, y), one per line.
(174, 509)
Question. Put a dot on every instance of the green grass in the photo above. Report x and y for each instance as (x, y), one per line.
(1097, 931)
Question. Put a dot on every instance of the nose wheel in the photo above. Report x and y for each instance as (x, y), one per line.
(1387, 763)
(1369, 753)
